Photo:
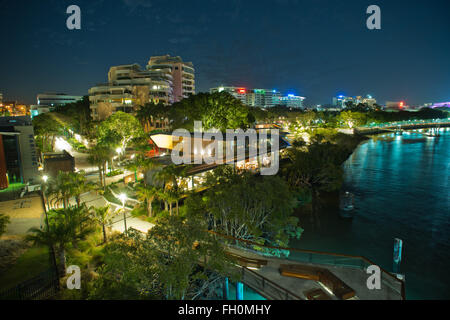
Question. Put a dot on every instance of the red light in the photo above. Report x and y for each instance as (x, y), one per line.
(401, 104)
(241, 90)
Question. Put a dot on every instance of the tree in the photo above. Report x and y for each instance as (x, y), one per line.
(316, 169)
(65, 226)
(4, 220)
(216, 110)
(177, 259)
(150, 112)
(143, 163)
(147, 194)
(66, 186)
(353, 119)
(120, 129)
(99, 155)
(79, 113)
(244, 206)
(103, 216)
(47, 128)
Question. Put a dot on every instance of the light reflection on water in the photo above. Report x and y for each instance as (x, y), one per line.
(402, 189)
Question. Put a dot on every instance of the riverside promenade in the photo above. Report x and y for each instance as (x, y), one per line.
(269, 283)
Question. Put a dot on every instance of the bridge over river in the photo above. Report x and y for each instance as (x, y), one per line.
(403, 125)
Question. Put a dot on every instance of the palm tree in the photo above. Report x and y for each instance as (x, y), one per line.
(146, 164)
(148, 194)
(102, 216)
(99, 155)
(78, 185)
(60, 190)
(63, 229)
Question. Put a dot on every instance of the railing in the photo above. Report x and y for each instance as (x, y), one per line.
(44, 286)
(317, 257)
(405, 123)
(265, 287)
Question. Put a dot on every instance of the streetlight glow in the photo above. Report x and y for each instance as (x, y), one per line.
(45, 178)
(123, 198)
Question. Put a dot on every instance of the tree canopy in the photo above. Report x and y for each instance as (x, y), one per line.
(119, 129)
(216, 110)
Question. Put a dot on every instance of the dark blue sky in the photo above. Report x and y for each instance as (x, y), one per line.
(315, 48)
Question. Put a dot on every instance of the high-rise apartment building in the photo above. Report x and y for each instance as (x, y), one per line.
(129, 86)
(183, 74)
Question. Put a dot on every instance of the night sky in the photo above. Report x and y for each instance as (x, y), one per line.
(313, 48)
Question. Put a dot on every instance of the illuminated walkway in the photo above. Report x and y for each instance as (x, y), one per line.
(268, 282)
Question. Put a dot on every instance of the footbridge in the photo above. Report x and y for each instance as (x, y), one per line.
(402, 125)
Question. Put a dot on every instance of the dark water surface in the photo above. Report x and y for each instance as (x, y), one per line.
(402, 189)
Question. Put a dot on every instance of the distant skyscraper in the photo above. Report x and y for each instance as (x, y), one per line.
(264, 98)
(341, 101)
(291, 101)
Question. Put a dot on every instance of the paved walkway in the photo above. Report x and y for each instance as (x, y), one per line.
(92, 199)
(353, 277)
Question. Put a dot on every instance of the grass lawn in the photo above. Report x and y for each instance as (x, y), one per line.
(32, 262)
(13, 187)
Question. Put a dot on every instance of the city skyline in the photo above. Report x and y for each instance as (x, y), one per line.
(296, 46)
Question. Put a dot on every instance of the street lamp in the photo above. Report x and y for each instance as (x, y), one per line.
(123, 198)
(52, 250)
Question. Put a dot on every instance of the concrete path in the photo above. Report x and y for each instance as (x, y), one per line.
(92, 199)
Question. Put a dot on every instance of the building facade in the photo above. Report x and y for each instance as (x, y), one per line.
(291, 101)
(18, 157)
(341, 101)
(165, 80)
(264, 98)
(13, 108)
(47, 102)
(183, 74)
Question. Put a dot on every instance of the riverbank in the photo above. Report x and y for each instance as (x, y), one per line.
(401, 191)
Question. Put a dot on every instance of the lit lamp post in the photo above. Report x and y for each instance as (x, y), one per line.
(123, 198)
(119, 152)
(52, 250)
(45, 178)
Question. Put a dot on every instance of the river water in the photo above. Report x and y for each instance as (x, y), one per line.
(402, 190)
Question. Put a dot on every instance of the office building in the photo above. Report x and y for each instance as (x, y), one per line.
(291, 101)
(47, 102)
(56, 99)
(18, 157)
(341, 101)
(264, 98)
